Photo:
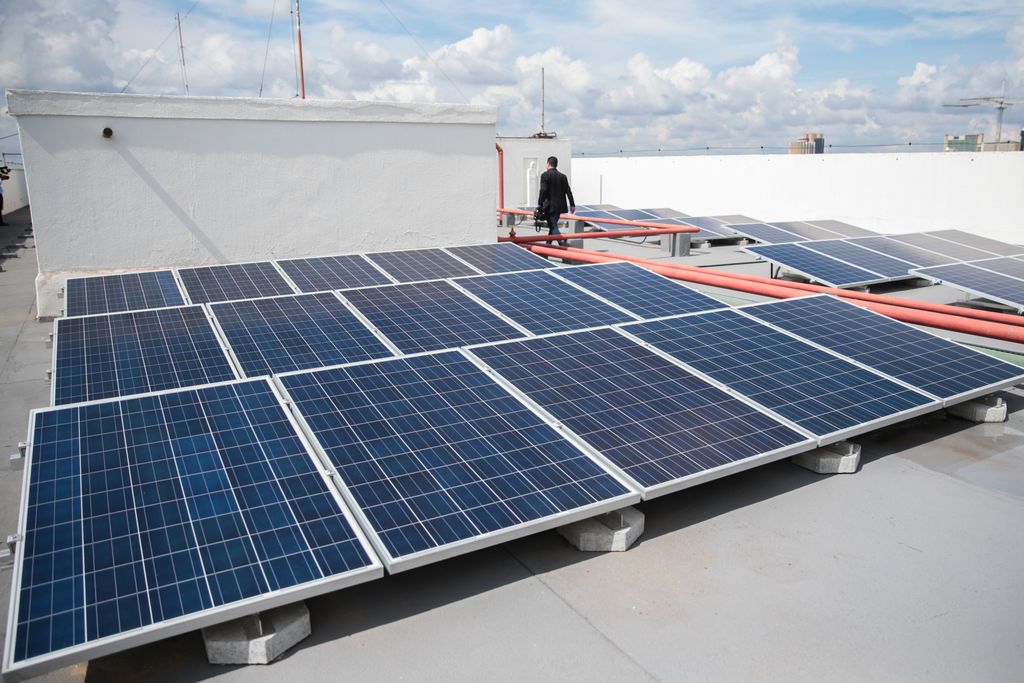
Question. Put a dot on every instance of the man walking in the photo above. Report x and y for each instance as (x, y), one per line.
(554, 188)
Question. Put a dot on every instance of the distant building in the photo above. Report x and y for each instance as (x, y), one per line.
(963, 143)
(810, 143)
(1004, 146)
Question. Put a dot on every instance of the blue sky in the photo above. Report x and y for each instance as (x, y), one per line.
(620, 75)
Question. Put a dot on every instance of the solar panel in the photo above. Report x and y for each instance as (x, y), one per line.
(135, 352)
(500, 258)
(762, 232)
(638, 290)
(414, 265)
(438, 459)
(984, 283)
(844, 229)
(155, 515)
(657, 422)
(826, 395)
(930, 363)
(426, 316)
(126, 292)
(819, 267)
(966, 238)
(233, 281)
(861, 257)
(734, 219)
(595, 216)
(1005, 266)
(295, 332)
(902, 250)
(542, 303)
(807, 230)
(709, 224)
(325, 273)
(665, 213)
(633, 215)
(702, 234)
(960, 252)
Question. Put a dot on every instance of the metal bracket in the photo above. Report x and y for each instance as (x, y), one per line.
(48, 377)
(60, 294)
(49, 340)
(12, 542)
(17, 461)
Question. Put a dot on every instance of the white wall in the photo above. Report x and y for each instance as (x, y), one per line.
(525, 160)
(896, 193)
(191, 181)
(15, 192)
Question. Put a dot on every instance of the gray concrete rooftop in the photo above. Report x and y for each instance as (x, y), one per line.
(910, 569)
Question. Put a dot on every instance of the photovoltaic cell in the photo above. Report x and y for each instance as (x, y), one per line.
(325, 273)
(960, 252)
(633, 215)
(820, 267)
(762, 232)
(845, 250)
(115, 293)
(665, 213)
(541, 302)
(135, 352)
(966, 238)
(925, 361)
(844, 229)
(657, 422)
(1010, 267)
(420, 264)
(903, 251)
(500, 258)
(823, 394)
(233, 281)
(433, 452)
(147, 509)
(295, 333)
(638, 290)
(984, 283)
(426, 316)
(807, 230)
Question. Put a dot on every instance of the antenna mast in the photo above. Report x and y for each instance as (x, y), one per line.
(302, 70)
(1001, 102)
(543, 133)
(181, 48)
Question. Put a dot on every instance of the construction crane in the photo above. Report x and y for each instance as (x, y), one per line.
(1001, 102)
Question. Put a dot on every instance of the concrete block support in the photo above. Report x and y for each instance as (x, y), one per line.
(258, 638)
(984, 409)
(615, 531)
(842, 457)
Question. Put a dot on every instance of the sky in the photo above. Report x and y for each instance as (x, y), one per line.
(620, 75)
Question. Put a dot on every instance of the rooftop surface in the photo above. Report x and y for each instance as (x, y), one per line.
(909, 569)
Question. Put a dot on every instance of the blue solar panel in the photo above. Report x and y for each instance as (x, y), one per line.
(148, 509)
(542, 303)
(127, 292)
(657, 422)
(708, 224)
(500, 258)
(807, 230)
(903, 251)
(960, 252)
(295, 333)
(435, 453)
(415, 265)
(135, 352)
(845, 250)
(762, 232)
(978, 242)
(234, 281)
(1010, 267)
(638, 290)
(930, 363)
(844, 229)
(822, 393)
(665, 213)
(596, 216)
(633, 215)
(325, 273)
(824, 269)
(984, 283)
(427, 316)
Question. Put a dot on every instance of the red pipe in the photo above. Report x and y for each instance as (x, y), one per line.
(945, 321)
(946, 309)
(612, 221)
(501, 175)
(590, 235)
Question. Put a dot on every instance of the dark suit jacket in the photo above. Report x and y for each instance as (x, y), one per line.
(554, 187)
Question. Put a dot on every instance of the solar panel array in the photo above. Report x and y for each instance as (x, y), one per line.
(500, 258)
(210, 502)
(325, 273)
(711, 227)
(415, 265)
(973, 279)
(817, 266)
(115, 293)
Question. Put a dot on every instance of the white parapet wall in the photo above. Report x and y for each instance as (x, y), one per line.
(15, 194)
(894, 193)
(186, 181)
(525, 160)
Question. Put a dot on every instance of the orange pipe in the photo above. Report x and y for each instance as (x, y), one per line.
(612, 221)
(945, 321)
(590, 235)
(946, 309)
(501, 175)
